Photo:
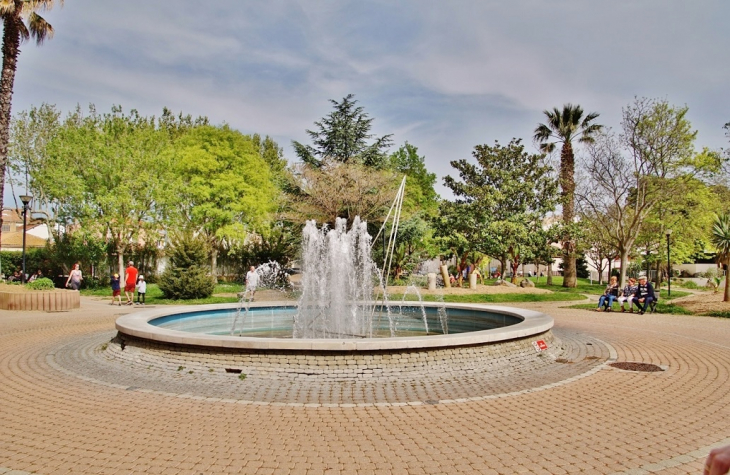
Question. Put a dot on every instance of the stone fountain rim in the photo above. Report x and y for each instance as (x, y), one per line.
(137, 325)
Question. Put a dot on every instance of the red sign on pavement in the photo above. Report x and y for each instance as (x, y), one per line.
(540, 345)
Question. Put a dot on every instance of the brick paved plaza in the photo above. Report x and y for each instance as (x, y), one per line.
(64, 409)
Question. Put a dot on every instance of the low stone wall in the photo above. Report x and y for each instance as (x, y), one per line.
(47, 300)
(334, 365)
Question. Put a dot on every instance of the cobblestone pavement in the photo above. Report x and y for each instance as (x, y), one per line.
(62, 411)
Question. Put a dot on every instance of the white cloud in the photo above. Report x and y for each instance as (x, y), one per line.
(443, 75)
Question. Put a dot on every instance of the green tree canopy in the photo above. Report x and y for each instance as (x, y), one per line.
(106, 173)
(223, 185)
(344, 136)
(565, 127)
(500, 202)
(420, 194)
(30, 133)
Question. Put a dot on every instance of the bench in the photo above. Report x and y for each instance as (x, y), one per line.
(652, 305)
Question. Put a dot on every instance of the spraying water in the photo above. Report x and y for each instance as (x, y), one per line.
(338, 280)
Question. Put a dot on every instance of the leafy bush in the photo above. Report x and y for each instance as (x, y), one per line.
(187, 275)
(44, 283)
(690, 284)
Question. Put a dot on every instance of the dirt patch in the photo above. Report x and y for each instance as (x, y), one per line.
(704, 302)
(633, 366)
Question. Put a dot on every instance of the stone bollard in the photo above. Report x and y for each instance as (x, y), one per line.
(472, 281)
(431, 281)
(445, 275)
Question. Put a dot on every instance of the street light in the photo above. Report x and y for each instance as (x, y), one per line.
(26, 201)
(669, 265)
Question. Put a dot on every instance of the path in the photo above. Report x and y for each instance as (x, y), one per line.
(612, 421)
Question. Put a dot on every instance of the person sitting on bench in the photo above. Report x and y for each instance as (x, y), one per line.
(644, 295)
(627, 295)
(609, 295)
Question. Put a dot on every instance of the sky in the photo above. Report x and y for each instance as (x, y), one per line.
(443, 75)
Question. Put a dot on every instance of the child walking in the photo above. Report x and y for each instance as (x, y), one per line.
(141, 290)
(116, 289)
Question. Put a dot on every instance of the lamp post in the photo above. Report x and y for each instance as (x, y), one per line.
(669, 265)
(26, 201)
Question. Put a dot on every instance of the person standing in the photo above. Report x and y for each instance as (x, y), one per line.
(74, 278)
(130, 282)
(252, 280)
(116, 289)
(141, 290)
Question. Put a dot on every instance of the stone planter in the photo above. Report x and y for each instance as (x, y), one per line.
(45, 300)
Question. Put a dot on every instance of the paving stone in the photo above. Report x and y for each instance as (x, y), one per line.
(69, 408)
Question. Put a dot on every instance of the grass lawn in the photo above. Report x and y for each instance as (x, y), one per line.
(154, 295)
(493, 298)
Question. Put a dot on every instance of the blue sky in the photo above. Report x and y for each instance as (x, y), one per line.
(444, 76)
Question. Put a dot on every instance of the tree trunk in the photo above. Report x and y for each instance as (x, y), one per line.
(214, 263)
(515, 266)
(120, 262)
(567, 193)
(726, 297)
(624, 261)
(549, 274)
(10, 49)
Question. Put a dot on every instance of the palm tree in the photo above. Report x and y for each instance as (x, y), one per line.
(565, 127)
(20, 23)
(720, 238)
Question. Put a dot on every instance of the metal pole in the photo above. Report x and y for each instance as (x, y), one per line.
(669, 267)
(25, 199)
(25, 214)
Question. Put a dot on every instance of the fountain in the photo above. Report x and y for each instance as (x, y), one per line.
(338, 329)
(337, 283)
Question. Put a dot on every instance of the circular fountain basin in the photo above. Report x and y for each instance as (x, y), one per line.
(210, 325)
(159, 336)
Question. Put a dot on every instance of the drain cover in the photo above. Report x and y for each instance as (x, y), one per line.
(631, 366)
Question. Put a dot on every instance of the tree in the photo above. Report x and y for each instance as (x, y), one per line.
(106, 173)
(344, 136)
(273, 155)
(597, 244)
(223, 185)
(629, 176)
(688, 211)
(21, 22)
(721, 240)
(565, 127)
(30, 133)
(339, 190)
(420, 195)
(420, 206)
(500, 202)
(186, 277)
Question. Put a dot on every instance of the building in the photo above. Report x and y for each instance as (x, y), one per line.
(37, 232)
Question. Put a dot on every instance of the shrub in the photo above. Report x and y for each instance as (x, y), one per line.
(187, 275)
(690, 284)
(44, 283)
